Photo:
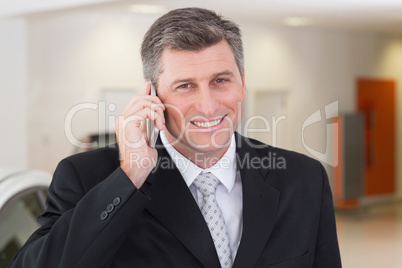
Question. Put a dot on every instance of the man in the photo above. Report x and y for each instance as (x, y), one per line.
(200, 198)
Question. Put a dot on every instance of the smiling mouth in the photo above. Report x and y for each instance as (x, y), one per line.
(207, 124)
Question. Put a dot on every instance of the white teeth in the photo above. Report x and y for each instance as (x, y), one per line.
(207, 124)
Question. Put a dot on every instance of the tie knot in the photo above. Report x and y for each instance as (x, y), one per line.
(206, 183)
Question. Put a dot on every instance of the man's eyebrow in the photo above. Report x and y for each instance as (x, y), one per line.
(187, 80)
(230, 73)
(179, 81)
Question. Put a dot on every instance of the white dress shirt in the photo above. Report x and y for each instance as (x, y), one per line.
(229, 195)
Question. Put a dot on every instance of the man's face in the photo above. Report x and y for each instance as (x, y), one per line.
(203, 93)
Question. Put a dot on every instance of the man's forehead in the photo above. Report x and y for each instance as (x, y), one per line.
(219, 54)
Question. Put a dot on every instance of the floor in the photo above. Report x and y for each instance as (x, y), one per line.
(371, 237)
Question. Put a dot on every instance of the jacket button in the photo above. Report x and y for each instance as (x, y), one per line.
(109, 208)
(104, 215)
(116, 201)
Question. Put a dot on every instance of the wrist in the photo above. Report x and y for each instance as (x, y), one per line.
(137, 175)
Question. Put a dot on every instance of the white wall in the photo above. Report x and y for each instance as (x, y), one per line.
(317, 67)
(73, 56)
(9, 8)
(390, 65)
(13, 94)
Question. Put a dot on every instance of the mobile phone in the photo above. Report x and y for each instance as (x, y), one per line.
(152, 131)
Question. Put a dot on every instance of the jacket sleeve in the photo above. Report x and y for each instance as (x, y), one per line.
(79, 228)
(327, 249)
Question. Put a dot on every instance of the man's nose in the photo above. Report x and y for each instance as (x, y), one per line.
(207, 102)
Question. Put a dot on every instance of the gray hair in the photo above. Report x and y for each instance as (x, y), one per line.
(187, 29)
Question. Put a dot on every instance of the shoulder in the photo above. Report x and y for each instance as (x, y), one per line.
(296, 176)
(89, 167)
(252, 147)
(104, 155)
(287, 165)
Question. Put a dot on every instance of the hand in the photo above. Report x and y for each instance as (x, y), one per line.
(137, 159)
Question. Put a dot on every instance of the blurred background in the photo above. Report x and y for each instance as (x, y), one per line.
(323, 78)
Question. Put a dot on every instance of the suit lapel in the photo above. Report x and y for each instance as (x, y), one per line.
(174, 207)
(260, 202)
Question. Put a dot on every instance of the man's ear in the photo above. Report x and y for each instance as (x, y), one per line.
(243, 84)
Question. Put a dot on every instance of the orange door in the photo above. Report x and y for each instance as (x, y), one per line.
(376, 99)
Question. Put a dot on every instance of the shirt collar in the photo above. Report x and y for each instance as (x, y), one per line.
(224, 169)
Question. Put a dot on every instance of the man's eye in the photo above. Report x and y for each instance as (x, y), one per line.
(220, 80)
(184, 86)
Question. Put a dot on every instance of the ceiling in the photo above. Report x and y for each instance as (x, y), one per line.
(372, 15)
(383, 16)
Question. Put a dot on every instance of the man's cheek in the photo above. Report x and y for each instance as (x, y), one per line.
(175, 123)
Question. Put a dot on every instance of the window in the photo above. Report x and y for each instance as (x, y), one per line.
(18, 221)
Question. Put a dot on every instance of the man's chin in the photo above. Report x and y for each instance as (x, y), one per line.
(201, 142)
(210, 143)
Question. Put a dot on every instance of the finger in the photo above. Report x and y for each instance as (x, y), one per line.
(158, 108)
(138, 120)
(140, 102)
(160, 120)
(143, 104)
(129, 122)
(153, 104)
(144, 130)
(160, 123)
(129, 129)
(147, 89)
(149, 114)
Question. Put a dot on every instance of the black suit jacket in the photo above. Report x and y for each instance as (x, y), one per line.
(97, 218)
